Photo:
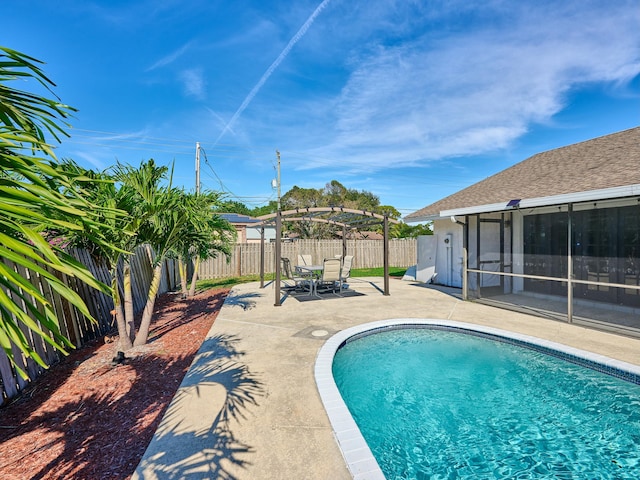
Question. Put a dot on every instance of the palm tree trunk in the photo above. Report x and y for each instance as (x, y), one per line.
(147, 314)
(182, 270)
(128, 302)
(124, 341)
(194, 277)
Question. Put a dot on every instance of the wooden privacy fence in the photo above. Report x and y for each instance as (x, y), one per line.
(245, 259)
(73, 324)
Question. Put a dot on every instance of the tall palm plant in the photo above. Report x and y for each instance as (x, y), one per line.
(160, 217)
(118, 227)
(162, 233)
(204, 235)
(31, 202)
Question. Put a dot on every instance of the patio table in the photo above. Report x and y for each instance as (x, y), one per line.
(314, 272)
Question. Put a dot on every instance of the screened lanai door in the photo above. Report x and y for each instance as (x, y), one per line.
(490, 254)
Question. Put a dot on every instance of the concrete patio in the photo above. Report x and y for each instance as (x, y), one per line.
(249, 408)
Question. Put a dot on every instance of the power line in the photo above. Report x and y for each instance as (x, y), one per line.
(234, 152)
(230, 152)
(225, 189)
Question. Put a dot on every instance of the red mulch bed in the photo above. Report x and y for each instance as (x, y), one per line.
(88, 419)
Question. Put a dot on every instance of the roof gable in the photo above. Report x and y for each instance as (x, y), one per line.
(603, 162)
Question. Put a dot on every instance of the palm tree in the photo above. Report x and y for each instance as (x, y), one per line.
(205, 235)
(158, 219)
(118, 226)
(31, 202)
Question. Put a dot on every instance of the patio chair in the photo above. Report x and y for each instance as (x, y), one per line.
(305, 259)
(300, 281)
(330, 275)
(345, 272)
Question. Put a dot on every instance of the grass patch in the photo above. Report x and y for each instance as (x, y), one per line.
(230, 282)
(378, 272)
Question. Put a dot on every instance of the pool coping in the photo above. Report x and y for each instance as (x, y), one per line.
(355, 451)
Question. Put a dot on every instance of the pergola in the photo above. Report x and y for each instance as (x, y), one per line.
(347, 218)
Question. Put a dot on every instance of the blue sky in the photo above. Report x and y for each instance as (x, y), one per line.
(411, 100)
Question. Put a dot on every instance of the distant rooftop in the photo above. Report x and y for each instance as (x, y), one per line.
(238, 218)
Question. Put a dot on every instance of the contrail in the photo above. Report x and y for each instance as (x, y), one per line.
(273, 66)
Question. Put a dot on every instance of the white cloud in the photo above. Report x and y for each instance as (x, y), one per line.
(479, 90)
(265, 76)
(170, 58)
(91, 159)
(193, 82)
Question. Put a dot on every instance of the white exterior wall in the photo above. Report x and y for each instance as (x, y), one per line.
(448, 254)
(449, 258)
(253, 234)
(426, 267)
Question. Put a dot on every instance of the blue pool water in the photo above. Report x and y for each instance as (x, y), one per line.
(435, 404)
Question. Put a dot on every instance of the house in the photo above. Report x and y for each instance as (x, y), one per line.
(247, 229)
(565, 223)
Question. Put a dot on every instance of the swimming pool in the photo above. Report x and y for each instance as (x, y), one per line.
(464, 406)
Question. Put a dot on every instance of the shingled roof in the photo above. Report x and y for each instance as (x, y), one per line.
(601, 163)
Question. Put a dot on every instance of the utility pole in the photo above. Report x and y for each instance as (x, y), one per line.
(278, 239)
(278, 181)
(197, 168)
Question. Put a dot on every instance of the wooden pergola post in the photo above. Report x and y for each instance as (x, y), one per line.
(262, 256)
(344, 241)
(386, 254)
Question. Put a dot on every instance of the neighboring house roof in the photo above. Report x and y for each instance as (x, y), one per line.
(600, 164)
(236, 218)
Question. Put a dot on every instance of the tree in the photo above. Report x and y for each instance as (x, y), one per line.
(403, 230)
(150, 218)
(31, 203)
(271, 207)
(388, 210)
(159, 219)
(231, 206)
(166, 221)
(334, 194)
(118, 225)
(204, 235)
